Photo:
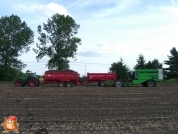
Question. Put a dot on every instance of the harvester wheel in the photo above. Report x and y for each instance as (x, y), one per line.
(102, 83)
(18, 83)
(151, 83)
(68, 84)
(32, 83)
(61, 84)
(118, 84)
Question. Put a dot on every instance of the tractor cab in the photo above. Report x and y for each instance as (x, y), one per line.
(132, 75)
(31, 75)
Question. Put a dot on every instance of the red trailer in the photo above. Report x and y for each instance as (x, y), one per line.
(62, 77)
(101, 77)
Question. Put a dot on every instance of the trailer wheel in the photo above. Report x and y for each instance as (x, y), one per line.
(68, 84)
(151, 83)
(32, 83)
(99, 84)
(102, 83)
(61, 84)
(118, 84)
(18, 83)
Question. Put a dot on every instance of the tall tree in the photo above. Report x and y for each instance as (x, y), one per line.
(154, 64)
(140, 62)
(120, 69)
(58, 41)
(15, 39)
(172, 62)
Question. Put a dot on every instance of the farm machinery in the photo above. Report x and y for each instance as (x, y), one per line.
(65, 78)
(30, 79)
(146, 77)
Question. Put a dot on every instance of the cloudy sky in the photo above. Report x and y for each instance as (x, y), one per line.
(109, 29)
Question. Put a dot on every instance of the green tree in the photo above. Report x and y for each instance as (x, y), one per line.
(28, 71)
(83, 78)
(154, 64)
(172, 62)
(58, 41)
(120, 69)
(15, 39)
(141, 63)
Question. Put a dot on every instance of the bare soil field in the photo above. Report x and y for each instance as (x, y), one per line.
(91, 109)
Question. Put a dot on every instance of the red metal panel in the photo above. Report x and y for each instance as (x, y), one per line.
(61, 76)
(96, 77)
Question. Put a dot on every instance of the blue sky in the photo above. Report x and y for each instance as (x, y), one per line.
(109, 29)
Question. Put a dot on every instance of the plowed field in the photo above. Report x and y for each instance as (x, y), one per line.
(91, 109)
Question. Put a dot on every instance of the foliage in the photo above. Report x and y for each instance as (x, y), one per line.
(140, 62)
(11, 75)
(28, 71)
(83, 78)
(58, 41)
(172, 62)
(15, 39)
(154, 64)
(120, 69)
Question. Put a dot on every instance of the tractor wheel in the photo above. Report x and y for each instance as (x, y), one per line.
(102, 83)
(68, 84)
(118, 84)
(99, 84)
(18, 83)
(61, 84)
(32, 83)
(151, 83)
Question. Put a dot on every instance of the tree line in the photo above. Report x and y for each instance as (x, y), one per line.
(57, 40)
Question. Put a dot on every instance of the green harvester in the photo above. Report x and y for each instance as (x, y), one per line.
(146, 77)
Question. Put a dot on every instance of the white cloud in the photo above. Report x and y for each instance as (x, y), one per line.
(121, 6)
(171, 9)
(174, 3)
(44, 10)
(103, 49)
(84, 3)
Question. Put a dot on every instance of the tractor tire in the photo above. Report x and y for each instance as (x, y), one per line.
(99, 84)
(102, 83)
(18, 83)
(32, 83)
(118, 84)
(61, 84)
(151, 83)
(68, 84)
